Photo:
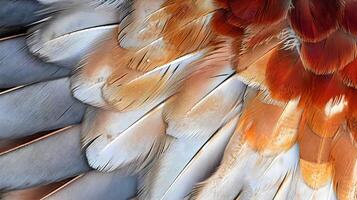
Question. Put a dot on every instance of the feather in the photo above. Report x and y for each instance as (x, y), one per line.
(27, 110)
(344, 158)
(349, 74)
(198, 98)
(133, 89)
(131, 150)
(231, 180)
(314, 20)
(285, 75)
(224, 96)
(255, 35)
(348, 18)
(250, 56)
(115, 4)
(95, 185)
(58, 156)
(258, 11)
(202, 164)
(69, 36)
(104, 123)
(136, 21)
(32, 193)
(19, 67)
(155, 62)
(221, 26)
(16, 15)
(261, 145)
(304, 191)
(164, 77)
(264, 183)
(155, 20)
(90, 80)
(329, 55)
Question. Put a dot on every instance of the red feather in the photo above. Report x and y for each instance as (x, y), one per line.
(330, 54)
(314, 20)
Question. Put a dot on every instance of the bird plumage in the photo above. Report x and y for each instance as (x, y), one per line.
(178, 99)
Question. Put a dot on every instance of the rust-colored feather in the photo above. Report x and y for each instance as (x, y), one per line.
(314, 20)
(265, 12)
(286, 77)
(221, 26)
(344, 156)
(349, 16)
(349, 74)
(330, 54)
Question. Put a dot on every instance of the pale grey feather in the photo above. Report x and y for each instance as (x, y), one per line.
(18, 66)
(39, 107)
(96, 185)
(51, 158)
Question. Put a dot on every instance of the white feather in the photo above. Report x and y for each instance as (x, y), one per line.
(133, 149)
(202, 164)
(69, 36)
(247, 174)
(305, 192)
(183, 149)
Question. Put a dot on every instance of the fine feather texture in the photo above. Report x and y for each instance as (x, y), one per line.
(131, 152)
(32, 193)
(115, 4)
(265, 175)
(96, 185)
(27, 110)
(92, 82)
(89, 78)
(70, 35)
(19, 66)
(17, 15)
(344, 155)
(64, 159)
(163, 20)
(314, 20)
(349, 74)
(253, 149)
(165, 83)
(188, 142)
(330, 54)
(99, 122)
(348, 16)
(202, 164)
(257, 11)
(133, 89)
